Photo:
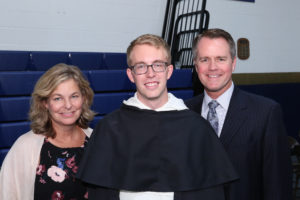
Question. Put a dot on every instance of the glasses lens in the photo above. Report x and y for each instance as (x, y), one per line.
(140, 68)
(159, 66)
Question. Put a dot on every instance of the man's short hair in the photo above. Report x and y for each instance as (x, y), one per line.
(213, 34)
(152, 40)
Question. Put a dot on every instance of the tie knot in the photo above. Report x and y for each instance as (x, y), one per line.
(213, 104)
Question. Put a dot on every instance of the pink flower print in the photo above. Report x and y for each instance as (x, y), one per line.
(86, 196)
(42, 180)
(57, 195)
(75, 169)
(56, 174)
(71, 162)
(67, 176)
(40, 169)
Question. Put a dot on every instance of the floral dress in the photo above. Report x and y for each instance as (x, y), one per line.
(55, 175)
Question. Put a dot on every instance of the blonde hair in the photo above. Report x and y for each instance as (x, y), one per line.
(152, 40)
(48, 82)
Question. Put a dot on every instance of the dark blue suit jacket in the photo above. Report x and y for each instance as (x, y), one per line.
(254, 137)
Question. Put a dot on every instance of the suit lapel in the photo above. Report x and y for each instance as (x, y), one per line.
(235, 117)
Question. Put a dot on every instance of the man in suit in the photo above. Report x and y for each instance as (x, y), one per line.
(249, 126)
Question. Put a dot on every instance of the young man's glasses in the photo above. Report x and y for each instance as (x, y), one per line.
(142, 68)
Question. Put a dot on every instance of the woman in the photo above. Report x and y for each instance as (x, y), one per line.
(43, 162)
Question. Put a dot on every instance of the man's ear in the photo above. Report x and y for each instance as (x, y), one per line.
(234, 63)
(195, 66)
(130, 75)
(170, 70)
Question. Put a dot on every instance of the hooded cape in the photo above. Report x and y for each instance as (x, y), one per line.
(144, 150)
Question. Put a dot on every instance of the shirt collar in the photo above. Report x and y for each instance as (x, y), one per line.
(223, 99)
(173, 103)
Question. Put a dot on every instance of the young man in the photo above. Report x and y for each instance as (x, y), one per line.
(250, 127)
(153, 147)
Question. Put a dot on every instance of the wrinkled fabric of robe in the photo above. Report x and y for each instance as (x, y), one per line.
(144, 150)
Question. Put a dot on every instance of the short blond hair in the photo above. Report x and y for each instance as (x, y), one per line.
(152, 40)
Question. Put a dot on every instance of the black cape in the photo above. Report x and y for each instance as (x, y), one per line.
(144, 150)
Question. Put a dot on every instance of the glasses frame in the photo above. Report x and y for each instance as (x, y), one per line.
(166, 64)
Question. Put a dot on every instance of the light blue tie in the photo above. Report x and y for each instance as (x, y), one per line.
(212, 116)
